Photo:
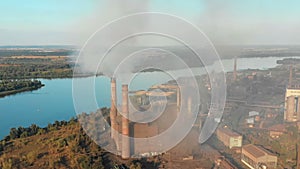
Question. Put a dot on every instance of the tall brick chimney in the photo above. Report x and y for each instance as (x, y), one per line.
(113, 109)
(291, 77)
(125, 124)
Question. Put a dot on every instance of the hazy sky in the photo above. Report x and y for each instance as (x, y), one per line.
(34, 22)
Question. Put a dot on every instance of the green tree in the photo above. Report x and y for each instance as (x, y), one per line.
(14, 133)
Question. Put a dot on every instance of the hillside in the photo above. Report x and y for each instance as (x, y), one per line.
(59, 145)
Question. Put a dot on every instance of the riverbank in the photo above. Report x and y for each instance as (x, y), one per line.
(10, 87)
(12, 92)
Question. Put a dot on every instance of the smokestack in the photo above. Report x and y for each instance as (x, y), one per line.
(125, 123)
(298, 154)
(178, 98)
(291, 77)
(113, 109)
(234, 69)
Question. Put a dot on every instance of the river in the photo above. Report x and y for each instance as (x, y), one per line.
(54, 101)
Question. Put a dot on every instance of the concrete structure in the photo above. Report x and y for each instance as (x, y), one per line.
(229, 138)
(292, 105)
(257, 157)
(125, 124)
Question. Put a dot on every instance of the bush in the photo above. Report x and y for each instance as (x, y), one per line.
(7, 164)
(41, 131)
(31, 157)
(62, 143)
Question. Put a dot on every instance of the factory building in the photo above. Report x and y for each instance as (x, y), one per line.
(277, 130)
(292, 105)
(257, 157)
(229, 138)
(123, 128)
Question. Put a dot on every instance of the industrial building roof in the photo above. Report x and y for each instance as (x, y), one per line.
(278, 127)
(256, 151)
(152, 93)
(294, 87)
(165, 86)
(253, 113)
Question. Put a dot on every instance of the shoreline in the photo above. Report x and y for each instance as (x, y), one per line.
(13, 92)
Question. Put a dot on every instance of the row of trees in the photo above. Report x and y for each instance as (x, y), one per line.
(22, 132)
(24, 68)
(26, 52)
(11, 85)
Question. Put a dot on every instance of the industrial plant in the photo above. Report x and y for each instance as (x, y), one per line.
(244, 139)
(123, 128)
